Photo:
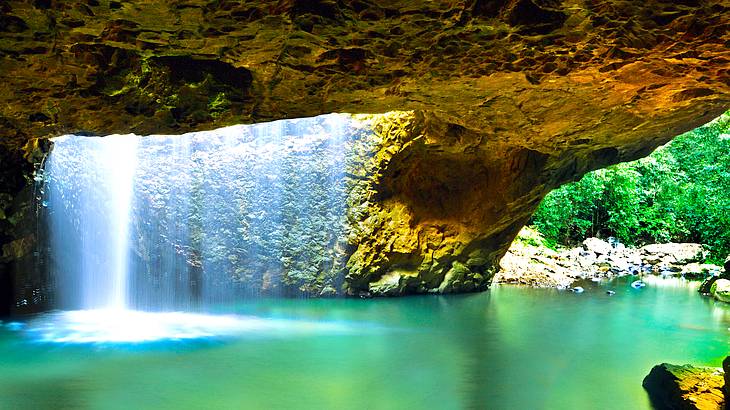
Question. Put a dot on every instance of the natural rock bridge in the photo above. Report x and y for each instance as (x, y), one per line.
(504, 101)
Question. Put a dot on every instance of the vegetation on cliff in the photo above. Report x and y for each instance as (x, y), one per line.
(679, 193)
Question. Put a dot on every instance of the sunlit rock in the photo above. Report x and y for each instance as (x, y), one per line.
(721, 290)
(669, 253)
(597, 246)
(685, 387)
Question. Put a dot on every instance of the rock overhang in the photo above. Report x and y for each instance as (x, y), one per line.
(510, 98)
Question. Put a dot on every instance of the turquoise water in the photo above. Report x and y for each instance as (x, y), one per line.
(508, 348)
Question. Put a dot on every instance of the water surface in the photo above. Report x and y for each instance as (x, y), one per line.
(508, 348)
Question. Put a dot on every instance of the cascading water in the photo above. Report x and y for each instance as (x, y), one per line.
(90, 201)
(181, 223)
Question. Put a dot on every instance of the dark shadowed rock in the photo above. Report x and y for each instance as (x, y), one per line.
(685, 387)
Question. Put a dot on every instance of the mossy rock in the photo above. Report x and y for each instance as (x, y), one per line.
(721, 290)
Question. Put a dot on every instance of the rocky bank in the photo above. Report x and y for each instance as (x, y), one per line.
(530, 262)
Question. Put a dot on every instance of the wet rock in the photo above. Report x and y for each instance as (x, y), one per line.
(700, 271)
(720, 290)
(706, 286)
(685, 387)
(454, 278)
(394, 283)
(328, 291)
(529, 263)
(18, 248)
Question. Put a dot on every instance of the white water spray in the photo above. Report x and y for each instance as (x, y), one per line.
(90, 203)
(141, 227)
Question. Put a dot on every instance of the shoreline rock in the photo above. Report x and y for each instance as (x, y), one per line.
(718, 285)
(720, 290)
(529, 262)
(686, 387)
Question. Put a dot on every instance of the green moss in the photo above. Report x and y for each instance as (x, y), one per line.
(218, 104)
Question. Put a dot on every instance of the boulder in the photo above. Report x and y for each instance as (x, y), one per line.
(700, 271)
(680, 253)
(721, 290)
(597, 246)
(685, 387)
(394, 283)
(706, 286)
(454, 278)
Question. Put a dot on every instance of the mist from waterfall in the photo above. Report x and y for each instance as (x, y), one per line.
(184, 222)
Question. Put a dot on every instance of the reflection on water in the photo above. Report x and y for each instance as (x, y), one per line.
(509, 348)
(109, 326)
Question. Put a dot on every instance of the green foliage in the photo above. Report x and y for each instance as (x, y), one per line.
(680, 193)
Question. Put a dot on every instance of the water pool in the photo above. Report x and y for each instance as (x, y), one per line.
(508, 348)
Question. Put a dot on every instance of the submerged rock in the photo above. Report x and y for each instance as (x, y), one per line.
(685, 387)
(637, 284)
(578, 289)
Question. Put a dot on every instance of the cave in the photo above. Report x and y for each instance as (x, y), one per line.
(200, 176)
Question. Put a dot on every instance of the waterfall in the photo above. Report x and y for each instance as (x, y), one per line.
(184, 222)
(90, 201)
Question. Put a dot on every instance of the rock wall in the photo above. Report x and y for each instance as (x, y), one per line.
(438, 208)
(511, 98)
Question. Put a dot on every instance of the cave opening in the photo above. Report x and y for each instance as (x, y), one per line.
(146, 238)
(359, 273)
(664, 214)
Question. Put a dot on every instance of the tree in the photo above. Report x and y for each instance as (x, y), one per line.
(681, 192)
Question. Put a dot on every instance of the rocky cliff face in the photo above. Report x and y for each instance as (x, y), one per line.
(510, 98)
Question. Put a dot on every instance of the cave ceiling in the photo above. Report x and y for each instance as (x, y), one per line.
(557, 77)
